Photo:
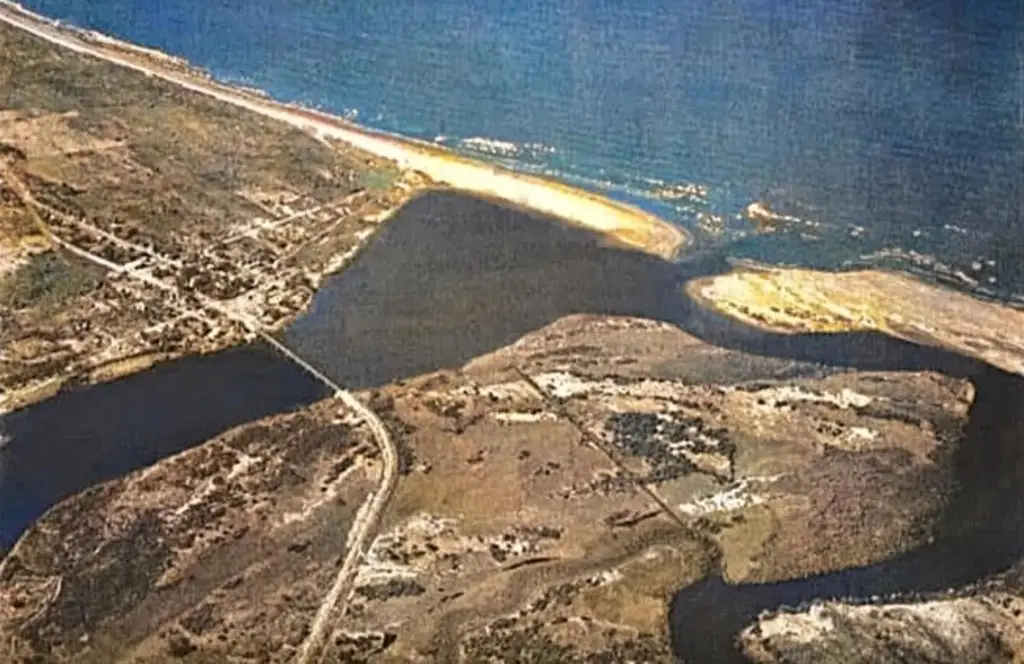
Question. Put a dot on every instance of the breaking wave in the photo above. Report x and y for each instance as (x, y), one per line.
(507, 149)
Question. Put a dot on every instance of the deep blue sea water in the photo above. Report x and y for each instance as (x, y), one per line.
(904, 118)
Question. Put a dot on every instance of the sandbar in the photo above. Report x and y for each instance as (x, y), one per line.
(792, 301)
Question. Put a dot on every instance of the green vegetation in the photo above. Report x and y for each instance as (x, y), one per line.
(377, 178)
(47, 280)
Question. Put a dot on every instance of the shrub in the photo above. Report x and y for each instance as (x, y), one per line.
(47, 280)
(378, 178)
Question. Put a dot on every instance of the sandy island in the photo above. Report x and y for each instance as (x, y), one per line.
(622, 223)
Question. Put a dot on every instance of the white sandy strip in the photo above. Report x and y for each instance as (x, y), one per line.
(625, 223)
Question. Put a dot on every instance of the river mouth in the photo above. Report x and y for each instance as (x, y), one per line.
(451, 278)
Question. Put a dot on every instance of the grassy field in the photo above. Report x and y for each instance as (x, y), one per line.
(140, 149)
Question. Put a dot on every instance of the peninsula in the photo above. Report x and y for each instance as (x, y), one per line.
(794, 301)
(189, 188)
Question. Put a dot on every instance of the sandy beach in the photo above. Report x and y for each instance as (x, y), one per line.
(621, 223)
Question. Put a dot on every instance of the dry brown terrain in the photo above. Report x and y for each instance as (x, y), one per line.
(553, 496)
(975, 630)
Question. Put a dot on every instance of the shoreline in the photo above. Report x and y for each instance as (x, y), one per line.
(627, 225)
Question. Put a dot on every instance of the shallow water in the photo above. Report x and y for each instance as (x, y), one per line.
(451, 278)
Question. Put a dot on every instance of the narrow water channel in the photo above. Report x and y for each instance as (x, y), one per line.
(451, 278)
(86, 436)
(982, 532)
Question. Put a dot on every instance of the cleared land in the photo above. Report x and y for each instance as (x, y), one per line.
(529, 525)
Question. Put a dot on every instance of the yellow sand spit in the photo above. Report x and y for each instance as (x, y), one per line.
(794, 301)
(622, 223)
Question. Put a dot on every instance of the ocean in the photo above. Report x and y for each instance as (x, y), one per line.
(891, 131)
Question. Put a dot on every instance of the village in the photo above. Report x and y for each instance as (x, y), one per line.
(112, 261)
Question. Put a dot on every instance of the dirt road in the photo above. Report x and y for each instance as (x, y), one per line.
(368, 518)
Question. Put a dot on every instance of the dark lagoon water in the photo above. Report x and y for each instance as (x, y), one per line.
(85, 436)
(448, 279)
(451, 278)
(903, 118)
(982, 534)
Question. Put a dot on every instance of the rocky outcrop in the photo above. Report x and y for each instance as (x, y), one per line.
(553, 497)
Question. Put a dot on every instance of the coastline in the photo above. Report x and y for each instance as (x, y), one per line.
(263, 236)
(619, 222)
